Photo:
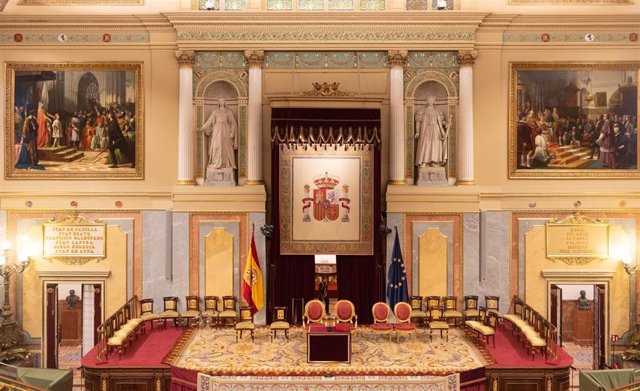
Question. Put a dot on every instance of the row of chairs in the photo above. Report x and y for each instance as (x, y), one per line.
(448, 305)
(121, 329)
(531, 327)
(212, 312)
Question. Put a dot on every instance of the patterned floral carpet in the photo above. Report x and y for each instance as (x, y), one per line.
(215, 352)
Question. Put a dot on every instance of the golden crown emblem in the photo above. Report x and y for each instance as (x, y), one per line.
(326, 181)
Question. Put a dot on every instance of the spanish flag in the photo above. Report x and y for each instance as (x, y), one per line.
(252, 288)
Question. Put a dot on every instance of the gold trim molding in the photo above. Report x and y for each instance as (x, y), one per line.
(80, 2)
(570, 2)
(75, 220)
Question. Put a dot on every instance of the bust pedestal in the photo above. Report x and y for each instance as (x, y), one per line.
(432, 176)
(220, 177)
(583, 327)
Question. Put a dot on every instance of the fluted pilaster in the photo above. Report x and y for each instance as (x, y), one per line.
(255, 60)
(186, 156)
(396, 61)
(465, 124)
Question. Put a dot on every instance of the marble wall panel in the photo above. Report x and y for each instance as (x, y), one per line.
(181, 251)
(157, 255)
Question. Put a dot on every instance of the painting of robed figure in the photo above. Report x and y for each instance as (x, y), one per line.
(573, 120)
(74, 121)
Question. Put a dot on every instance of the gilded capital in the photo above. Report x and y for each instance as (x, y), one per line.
(397, 57)
(254, 57)
(185, 57)
(467, 58)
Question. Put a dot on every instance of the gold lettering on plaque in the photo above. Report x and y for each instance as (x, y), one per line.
(577, 240)
(74, 240)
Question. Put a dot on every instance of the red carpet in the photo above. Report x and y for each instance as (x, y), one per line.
(509, 353)
(147, 351)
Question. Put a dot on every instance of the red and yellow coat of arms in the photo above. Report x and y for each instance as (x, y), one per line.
(326, 200)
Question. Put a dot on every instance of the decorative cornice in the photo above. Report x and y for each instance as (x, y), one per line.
(467, 58)
(185, 58)
(564, 36)
(255, 58)
(397, 58)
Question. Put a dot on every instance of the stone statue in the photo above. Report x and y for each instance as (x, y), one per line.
(432, 133)
(73, 300)
(632, 351)
(222, 129)
(583, 303)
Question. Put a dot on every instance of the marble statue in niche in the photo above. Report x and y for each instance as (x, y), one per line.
(432, 143)
(222, 129)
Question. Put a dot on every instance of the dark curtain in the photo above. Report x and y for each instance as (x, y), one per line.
(361, 278)
(290, 276)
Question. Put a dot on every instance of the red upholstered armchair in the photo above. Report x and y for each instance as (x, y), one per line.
(313, 313)
(346, 313)
(381, 325)
(402, 311)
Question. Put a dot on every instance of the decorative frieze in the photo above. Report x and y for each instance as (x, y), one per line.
(324, 35)
(569, 36)
(72, 38)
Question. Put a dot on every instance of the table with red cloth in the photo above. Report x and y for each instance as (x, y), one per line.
(329, 344)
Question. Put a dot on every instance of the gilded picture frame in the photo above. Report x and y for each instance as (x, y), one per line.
(555, 128)
(74, 121)
(326, 201)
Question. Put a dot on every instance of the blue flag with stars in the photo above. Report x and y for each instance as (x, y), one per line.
(397, 289)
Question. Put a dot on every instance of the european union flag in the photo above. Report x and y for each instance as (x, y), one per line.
(397, 290)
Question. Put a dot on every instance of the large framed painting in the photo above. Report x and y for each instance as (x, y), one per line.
(74, 121)
(573, 120)
(326, 202)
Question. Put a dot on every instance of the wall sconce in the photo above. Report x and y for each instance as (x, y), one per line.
(9, 331)
(622, 252)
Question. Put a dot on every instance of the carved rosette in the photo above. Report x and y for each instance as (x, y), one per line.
(397, 58)
(185, 58)
(255, 58)
(467, 58)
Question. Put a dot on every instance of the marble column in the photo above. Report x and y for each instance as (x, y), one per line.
(396, 60)
(254, 114)
(465, 123)
(186, 133)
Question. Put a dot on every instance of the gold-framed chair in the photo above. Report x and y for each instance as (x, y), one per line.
(416, 309)
(402, 312)
(279, 322)
(346, 314)
(471, 311)
(146, 311)
(193, 309)
(170, 310)
(313, 313)
(228, 310)
(210, 313)
(381, 325)
(245, 323)
(437, 322)
(450, 304)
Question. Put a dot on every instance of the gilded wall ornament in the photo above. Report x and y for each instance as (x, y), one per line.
(326, 89)
(185, 58)
(74, 240)
(467, 58)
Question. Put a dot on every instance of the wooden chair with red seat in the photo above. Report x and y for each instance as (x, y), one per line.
(346, 314)
(313, 314)
(403, 325)
(381, 325)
